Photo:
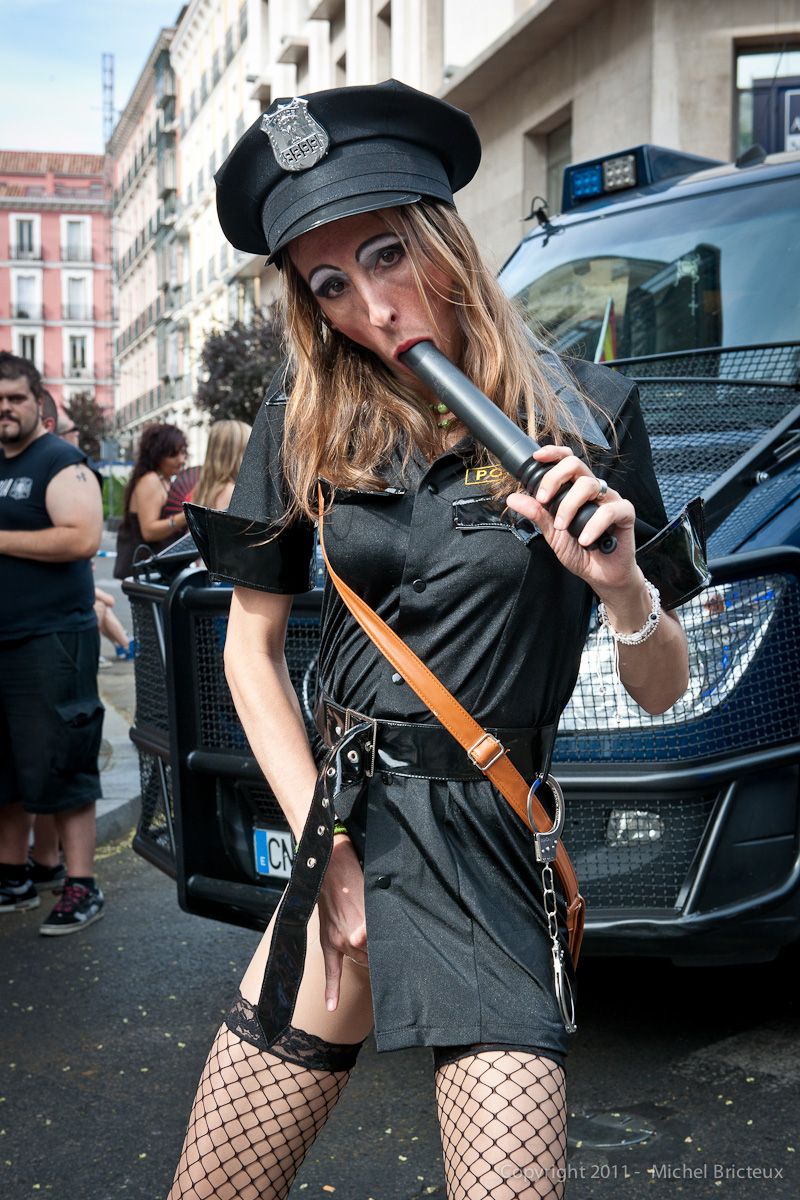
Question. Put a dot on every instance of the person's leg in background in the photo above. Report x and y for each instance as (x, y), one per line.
(109, 626)
(47, 871)
(53, 722)
(16, 890)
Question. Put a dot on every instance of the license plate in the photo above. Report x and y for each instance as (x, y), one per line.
(274, 852)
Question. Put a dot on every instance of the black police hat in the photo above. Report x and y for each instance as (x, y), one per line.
(312, 159)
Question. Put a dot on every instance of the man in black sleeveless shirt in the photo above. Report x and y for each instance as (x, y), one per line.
(51, 717)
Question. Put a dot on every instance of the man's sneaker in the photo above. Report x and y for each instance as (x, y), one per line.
(16, 896)
(78, 907)
(43, 877)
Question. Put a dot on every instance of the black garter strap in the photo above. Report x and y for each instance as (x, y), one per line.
(339, 783)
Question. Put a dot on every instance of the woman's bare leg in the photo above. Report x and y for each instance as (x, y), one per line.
(256, 1114)
(503, 1121)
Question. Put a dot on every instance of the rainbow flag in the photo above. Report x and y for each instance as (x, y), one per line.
(607, 342)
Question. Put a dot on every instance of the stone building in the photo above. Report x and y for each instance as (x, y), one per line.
(572, 79)
(144, 208)
(546, 81)
(56, 292)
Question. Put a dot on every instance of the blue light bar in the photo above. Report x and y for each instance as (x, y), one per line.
(587, 181)
(639, 167)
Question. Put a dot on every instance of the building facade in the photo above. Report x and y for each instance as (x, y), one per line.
(546, 81)
(573, 79)
(143, 152)
(56, 286)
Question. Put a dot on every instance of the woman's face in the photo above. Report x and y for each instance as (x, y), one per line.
(361, 276)
(173, 463)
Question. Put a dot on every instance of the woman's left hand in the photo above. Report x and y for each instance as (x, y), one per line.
(605, 573)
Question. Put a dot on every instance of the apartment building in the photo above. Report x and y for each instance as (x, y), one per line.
(56, 288)
(145, 190)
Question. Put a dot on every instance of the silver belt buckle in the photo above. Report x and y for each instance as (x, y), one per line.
(351, 718)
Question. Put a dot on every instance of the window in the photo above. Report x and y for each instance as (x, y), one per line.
(768, 98)
(76, 300)
(77, 354)
(27, 346)
(76, 236)
(25, 307)
(681, 275)
(383, 42)
(25, 246)
(559, 156)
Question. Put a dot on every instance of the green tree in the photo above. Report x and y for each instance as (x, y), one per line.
(238, 364)
(84, 411)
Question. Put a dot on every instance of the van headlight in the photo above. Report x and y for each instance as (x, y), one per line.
(725, 627)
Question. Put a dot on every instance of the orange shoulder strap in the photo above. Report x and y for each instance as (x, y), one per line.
(483, 749)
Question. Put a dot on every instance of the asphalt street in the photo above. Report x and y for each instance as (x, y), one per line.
(681, 1082)
(105, 1034)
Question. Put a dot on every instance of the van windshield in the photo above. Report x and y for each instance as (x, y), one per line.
(719, 269)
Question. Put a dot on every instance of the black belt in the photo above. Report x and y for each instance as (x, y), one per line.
(429, 751)
(360, 746)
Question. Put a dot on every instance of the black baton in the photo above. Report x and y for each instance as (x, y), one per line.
(497, 432)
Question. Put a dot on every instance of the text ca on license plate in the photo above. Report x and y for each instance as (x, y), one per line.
(274, 852)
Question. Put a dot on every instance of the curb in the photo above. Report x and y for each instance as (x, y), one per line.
(118, 811)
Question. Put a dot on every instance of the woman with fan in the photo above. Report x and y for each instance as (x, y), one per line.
(146, 520)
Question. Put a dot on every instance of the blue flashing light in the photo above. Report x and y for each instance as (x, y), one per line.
(587, 181)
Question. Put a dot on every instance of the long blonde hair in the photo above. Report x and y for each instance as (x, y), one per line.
(346, 412)
(226, 445)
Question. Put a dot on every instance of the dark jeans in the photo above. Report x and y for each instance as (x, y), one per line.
(51, 721)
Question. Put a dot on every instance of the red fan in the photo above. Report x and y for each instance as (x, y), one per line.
(181, 489)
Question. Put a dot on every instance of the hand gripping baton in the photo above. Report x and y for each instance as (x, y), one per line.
(506, 441)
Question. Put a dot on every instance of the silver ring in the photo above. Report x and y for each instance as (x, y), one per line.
(601, 495)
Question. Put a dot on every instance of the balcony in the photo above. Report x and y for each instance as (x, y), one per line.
(76, 253)
(77, 372)
(325, 10)
(262, 89)
(78, 312)
(294, 49)
(25, 253)
(27, 312)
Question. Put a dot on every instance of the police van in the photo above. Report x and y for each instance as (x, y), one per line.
(684, 274)
(683, 828)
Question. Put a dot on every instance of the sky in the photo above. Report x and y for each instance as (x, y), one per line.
(51, 84)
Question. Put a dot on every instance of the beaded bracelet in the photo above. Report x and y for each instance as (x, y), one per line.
(649, 627)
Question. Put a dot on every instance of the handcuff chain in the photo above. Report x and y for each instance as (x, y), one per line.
(563, 990)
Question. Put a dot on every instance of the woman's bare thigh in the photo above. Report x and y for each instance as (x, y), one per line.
(351, 1021)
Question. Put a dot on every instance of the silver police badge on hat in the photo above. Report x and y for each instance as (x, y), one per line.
(298, 140)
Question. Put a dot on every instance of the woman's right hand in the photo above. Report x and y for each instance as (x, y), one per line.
(343, 928)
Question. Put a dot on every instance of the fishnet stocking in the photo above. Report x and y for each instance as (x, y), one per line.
(503, 1122)
(254, 1118)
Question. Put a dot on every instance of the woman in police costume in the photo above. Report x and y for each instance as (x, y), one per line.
(428, 923)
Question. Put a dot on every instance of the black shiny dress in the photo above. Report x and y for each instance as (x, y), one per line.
(456, 933)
